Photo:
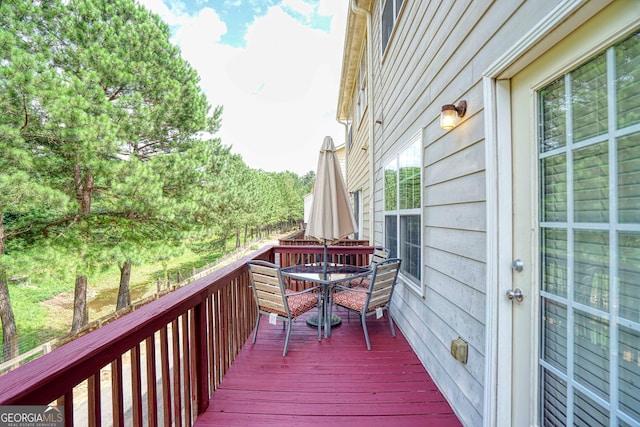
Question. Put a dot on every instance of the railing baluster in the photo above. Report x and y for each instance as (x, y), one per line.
(176, 369)
(152, 391)
(93, 404)
(207, 315)
(117, 393)
(234, 315)
(186, 368)
(189, 344)
(136, 386)
(166, 378)
(67, 403)
(216, 332)
(226, 335)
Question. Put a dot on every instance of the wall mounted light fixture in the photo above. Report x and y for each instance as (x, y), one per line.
(450, 115)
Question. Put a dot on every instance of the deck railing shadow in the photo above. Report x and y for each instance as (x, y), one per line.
(160, 364)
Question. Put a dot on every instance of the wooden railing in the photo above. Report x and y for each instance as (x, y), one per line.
(160, 364)
(297, 238)
(292, 255)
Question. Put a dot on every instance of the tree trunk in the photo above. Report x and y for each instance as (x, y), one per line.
(246, 232)
(10, 347)
(237, 238)
(124, 294)
(80, 314)
(84, 188)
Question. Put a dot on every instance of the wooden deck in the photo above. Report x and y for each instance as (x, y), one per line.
(335, 382)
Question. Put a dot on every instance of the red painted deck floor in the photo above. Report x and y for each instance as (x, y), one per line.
(334, 382)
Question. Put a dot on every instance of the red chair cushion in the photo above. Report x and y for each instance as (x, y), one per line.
(350, 299)
(353, 300)
(298, 304)
(360, 283)
(302, 303)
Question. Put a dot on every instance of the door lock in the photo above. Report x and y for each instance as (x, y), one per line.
(515, 294)
(517, 265)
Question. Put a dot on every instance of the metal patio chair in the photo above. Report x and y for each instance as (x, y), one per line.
(278, 302)
(378, 255)
(375, 299)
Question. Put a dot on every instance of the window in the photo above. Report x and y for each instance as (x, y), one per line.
(589, 162)
(390, 12)
(357, 212)
(361, 96)
(402, 204)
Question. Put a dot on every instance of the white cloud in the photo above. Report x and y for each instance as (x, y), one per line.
(197, 33)
(299, 6)
(158, 7)
(279, 92)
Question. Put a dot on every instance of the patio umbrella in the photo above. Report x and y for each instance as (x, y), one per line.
(331, 217)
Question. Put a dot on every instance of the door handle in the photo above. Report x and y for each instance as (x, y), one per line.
(515, 294)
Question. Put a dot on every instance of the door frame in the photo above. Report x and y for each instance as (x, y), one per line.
(498, 335)
(561, 21)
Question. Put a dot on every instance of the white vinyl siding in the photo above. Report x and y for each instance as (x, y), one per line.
(437, 53)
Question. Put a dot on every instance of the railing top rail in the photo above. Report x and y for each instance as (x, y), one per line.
(319, 249)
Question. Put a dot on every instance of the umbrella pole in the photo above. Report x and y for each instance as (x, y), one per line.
(335, 320)
(324, 258)
(314, 319)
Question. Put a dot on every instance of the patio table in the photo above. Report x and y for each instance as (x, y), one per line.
(325, 275)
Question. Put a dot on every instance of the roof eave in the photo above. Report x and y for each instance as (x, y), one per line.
(355, 34)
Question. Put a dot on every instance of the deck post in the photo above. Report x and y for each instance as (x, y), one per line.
(202, 357)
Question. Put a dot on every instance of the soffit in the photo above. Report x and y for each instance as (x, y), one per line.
(355, 34)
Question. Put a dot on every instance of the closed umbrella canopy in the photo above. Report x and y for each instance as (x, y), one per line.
(331, 217)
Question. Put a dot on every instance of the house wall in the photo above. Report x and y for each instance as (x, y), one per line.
(358, 169)
(341, 155)
(437, 55)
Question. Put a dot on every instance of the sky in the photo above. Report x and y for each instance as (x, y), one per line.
(273, 65)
